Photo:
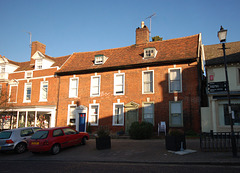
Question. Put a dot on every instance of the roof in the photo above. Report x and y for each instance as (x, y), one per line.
(58, 61)
(214, 53)
(174, 50)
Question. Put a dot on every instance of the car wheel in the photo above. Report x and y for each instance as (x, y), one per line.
(20, 148)
(55, 149)
(84, 140)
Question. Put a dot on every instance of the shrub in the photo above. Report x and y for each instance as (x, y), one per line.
(143, 130)
(103, 132)
(175, 132)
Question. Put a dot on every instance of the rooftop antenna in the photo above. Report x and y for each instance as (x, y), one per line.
(30, 34)
(150, 17)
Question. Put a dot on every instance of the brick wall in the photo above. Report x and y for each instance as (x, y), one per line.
(133, 92)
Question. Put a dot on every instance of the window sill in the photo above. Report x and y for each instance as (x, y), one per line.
(42, 101)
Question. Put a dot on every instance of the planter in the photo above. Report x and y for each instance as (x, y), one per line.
(173, 143)
(103, 142)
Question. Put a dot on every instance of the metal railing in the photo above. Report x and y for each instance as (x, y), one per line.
(218, 141)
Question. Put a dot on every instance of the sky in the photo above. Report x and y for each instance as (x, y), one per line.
(67, 26)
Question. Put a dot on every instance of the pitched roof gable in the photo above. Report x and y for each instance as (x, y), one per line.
(214, 53)
(180, 49)
(58, 61)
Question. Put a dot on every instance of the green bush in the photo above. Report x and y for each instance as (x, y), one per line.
(143, 130)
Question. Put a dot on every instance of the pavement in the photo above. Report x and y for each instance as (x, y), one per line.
(150, 151)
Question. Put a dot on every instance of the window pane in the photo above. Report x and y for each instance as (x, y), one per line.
(176, 108)
(148, 112)
(148, 81)
(176, 113)
(43, 120)
(94, 114)
(21, 120)
(31, 119)
(118, 117)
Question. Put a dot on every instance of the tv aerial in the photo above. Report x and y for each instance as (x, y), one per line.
(150, 17)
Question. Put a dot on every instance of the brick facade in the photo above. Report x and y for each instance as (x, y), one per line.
(131, 63)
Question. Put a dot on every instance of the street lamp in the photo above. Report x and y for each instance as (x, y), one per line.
(222, 34)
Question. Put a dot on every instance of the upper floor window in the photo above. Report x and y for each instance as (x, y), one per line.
(27, 92)
(150, 53)
(73, 89)
(95, 86)
(175, 80)
(38, 64)
(148, 82)
(2, 69)
(118, 114)
(28, 74)
(44, 91)
(118, 83)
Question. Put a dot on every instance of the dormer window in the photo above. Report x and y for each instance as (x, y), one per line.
(2, 69)
(100, 59)
(150, 53)
(38, 64)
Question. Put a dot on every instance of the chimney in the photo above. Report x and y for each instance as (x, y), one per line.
(142, 34)
(37, 46)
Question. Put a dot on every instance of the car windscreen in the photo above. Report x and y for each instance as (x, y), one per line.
(40, 135)
(5, 135)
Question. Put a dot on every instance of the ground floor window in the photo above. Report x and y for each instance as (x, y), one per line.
(236, 111)
(148, 112)
(175, 114)
(71, 114)
(43, 120)
(93, 114)
(118, 114)
(8, 120)
(15, 119)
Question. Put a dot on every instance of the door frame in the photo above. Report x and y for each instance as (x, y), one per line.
(78, 110)
(129, 107)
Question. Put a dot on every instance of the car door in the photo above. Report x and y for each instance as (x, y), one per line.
(71, 136)
(60, 137)
(26, 134)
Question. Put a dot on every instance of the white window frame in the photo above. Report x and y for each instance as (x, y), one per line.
(3, 69)
(116, 84)
(71, 88)
(69, 114)
(143, 89)
(92, 86)
(238, 76)
(90, 114)
(143, 112)
(153, 52)
(171, 114)
(38, 64)
(10, 93)
(99, 59)
(169, 81)
(114, 114)
(25, 92)
(41, 91)
(28, 74)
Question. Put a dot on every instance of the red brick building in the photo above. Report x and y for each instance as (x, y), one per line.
(30, 90)
(148, 81)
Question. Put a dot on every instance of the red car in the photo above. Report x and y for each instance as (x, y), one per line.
(54, 139)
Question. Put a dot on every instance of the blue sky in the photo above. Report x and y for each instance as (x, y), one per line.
(67, 26)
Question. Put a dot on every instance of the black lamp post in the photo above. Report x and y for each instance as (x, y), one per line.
(222, 34)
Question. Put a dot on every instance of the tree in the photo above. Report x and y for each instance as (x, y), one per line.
(157, 38)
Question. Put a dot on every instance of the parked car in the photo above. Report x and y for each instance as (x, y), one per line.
(16, 139)
(54, 139)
